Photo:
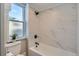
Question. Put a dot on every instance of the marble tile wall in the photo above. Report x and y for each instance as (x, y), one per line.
(58, 27)
(55, 27)
(33, 27)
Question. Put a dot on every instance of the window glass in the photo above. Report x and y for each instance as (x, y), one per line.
(16, 27)
(16, 20)
(16, 12)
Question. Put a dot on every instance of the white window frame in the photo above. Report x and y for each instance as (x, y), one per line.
(24, 17)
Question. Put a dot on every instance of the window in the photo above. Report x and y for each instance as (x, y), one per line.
(17, 20)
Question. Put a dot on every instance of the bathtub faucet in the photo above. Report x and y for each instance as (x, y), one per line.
(36, 44)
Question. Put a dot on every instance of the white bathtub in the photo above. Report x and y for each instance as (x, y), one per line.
(46, 50)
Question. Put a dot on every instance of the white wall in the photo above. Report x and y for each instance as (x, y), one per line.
(33, 27)
(58, 27)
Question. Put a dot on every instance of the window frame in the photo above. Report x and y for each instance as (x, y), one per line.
(23, 15)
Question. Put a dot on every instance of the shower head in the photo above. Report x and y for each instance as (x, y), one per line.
(36, 12)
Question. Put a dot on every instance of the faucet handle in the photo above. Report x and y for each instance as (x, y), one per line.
(37, 43)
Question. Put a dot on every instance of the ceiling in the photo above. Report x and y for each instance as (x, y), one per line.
(43, 6)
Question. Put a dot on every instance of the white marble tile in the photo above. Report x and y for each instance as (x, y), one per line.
(59, 25)
(56, 27)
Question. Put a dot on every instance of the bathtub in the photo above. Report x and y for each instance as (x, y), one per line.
(46, 50)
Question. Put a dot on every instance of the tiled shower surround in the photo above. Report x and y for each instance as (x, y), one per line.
(56, 26)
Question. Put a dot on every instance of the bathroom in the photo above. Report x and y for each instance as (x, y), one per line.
(44, 29)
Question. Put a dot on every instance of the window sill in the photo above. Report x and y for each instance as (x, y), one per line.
(12, 44)
(17, 41)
